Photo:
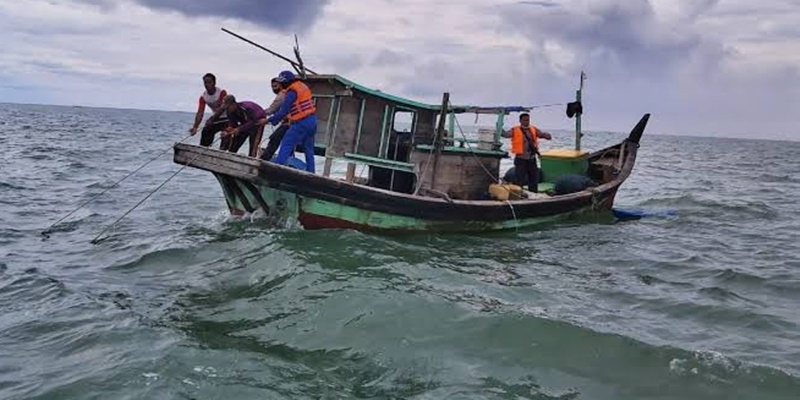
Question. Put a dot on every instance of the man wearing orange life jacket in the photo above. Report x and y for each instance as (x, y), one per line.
(211, 97)
(299, 108)
(525, 147)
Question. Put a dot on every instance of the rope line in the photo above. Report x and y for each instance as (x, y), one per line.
(49, 229)
(95, 240)
(471, 151)
(514, 214)
(427, 162)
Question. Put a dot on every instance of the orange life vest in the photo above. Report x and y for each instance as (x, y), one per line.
(304, 104)
(518, 139)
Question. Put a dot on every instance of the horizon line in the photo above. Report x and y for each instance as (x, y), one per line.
(561, 129)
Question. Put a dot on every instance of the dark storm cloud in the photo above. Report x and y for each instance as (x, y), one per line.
(539, 3)
(288, 16)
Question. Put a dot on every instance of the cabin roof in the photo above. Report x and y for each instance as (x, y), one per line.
(374, 92)
(458, 109)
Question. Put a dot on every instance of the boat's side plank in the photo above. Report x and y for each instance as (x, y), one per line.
(217, 163)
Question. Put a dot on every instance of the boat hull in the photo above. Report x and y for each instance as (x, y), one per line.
(246, 197)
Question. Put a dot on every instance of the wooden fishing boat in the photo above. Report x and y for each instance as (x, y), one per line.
(422, 178)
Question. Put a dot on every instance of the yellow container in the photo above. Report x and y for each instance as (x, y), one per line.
(505, 192)
(565, 153)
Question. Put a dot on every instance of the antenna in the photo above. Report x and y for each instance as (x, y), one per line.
(302, 69)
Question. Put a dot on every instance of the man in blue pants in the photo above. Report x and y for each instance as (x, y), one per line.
(299, 109)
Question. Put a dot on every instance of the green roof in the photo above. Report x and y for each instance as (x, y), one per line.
(416, 104)
(386, 96)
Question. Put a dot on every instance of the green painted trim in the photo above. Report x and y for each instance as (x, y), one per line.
(332, 138)
(451, 149)
(230, 198)
(379, 162)
(360, 123)
(452, 124)
(414, 123)
(329, 122)
(286, 206)
(414, 110)
(452, 140)
(386, 96)
(380, 220)
(251, 199)
(383, 128)
(389, 129)
(498, 127)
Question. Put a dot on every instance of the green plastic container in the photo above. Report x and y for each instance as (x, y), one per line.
(560, 162)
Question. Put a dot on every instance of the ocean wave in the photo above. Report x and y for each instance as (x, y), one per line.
(12, 187)
(21, 288)
(778, 178)
(705, 206)
(159, 258)
(738, 276)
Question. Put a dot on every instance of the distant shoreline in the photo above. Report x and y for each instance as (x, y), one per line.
(94, 107)
(587, 132)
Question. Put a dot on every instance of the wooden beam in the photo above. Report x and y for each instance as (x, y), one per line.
(438, 141)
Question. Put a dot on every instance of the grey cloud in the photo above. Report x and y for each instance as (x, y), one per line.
(344, 64)
(428, 79)
(294, 15)
(613, 35)
(22, 88)
(389, 58)
(539, 3)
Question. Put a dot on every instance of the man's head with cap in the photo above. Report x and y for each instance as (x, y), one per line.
(286, 77)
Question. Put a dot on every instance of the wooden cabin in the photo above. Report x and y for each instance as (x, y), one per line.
(363, 126)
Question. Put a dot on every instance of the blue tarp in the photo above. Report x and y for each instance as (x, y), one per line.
(639, 214)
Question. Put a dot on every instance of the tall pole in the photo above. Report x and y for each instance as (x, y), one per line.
(297, 65)
(578, 96)
(438, 140)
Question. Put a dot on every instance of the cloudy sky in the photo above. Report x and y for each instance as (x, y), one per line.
(701, 67)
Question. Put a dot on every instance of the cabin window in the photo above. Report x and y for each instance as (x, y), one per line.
(400, 141)
(403, 121)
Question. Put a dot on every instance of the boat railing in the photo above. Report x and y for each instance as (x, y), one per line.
(379, 162)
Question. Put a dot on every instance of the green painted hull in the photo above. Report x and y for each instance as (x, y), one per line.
(243, 197)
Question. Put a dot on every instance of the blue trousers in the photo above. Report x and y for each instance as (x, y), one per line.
(300, 132)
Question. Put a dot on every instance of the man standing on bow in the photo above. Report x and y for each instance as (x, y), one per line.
(211, 97)
(246, 119)
(299, 109)
(277, 136)
(525, 146)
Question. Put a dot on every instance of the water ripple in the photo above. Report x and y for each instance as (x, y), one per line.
(183, 301)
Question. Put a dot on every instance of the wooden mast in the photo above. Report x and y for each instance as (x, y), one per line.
(578, 95)
(438, 140)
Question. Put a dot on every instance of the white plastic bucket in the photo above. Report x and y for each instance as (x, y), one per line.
(485, 138)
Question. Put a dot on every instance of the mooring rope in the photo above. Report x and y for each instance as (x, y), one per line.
(514, 214)
(152, 192)
(50, 228)
(471, 151)
(489, 173)
(421, 176)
